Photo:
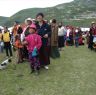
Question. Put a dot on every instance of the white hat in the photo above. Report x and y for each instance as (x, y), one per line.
(28, 19)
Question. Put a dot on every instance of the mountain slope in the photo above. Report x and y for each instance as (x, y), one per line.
(3, 20)
(77, 11)
(23, 14)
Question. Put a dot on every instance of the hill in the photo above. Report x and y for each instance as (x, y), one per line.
(3, 20)
(23, 14)
(74, 13)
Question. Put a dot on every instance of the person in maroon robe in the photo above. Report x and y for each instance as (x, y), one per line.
(92, 34)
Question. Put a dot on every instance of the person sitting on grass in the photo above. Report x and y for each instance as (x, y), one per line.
(34, 43)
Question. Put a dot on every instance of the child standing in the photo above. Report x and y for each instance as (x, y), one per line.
(33, 42)
(19, 48)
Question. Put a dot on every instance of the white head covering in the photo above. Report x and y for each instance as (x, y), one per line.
(28, 19)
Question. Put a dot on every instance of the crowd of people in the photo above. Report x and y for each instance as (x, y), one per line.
(38, 40)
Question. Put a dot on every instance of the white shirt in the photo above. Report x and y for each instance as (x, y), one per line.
(61, 31)
(68, 32)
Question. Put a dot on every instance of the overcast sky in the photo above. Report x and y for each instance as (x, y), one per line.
(10, 7)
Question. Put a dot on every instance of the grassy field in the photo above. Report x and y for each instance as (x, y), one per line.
(73, 74)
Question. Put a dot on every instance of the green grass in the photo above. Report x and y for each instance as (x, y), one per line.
(73, 74)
